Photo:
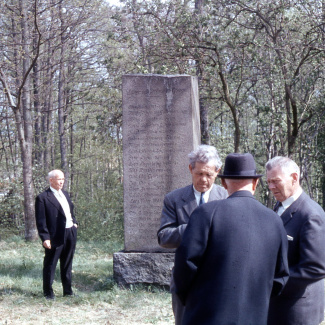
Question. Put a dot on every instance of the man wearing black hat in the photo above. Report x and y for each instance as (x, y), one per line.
(233, 254)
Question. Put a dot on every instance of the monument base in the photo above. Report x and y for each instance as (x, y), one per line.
(147, 268)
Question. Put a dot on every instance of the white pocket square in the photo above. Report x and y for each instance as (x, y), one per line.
(290, 238)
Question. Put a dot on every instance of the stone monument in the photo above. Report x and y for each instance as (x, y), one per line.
(161, 125)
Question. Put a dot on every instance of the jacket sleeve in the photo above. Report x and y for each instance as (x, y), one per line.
(40, 215)
(281, 274)
(170, 232)
(189, 254)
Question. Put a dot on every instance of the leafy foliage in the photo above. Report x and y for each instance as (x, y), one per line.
(260, 67)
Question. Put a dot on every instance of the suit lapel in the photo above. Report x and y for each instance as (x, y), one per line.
(51, 197)
(287, 215)
(213, 194)
(190, 202)
(276, 207)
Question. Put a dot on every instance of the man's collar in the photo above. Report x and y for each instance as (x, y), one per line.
(55, 191)
(286, 203)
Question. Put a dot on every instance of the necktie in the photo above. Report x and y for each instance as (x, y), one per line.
(202, 199)
(280, 209)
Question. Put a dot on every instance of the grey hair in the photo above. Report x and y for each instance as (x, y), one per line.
(53, 173)
(287, 165)
(205, 154)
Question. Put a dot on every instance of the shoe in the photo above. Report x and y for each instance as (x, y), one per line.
(50, 297)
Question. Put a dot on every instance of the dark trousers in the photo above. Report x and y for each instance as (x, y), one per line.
(178, 309)
(65, 253)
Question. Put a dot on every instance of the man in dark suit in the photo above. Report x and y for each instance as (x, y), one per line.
(57, 228)
(204, 166)
(233, 254)
(302, 300)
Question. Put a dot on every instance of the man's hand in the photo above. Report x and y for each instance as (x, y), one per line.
(47, 244)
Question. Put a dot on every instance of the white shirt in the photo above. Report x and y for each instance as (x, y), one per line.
(65, 206)
(286, 203)
(206, 195)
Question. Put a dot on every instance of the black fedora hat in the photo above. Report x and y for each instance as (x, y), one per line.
(239, 166)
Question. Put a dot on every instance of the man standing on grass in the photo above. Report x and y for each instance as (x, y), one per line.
(233, 255)
(57, 228)
(302, 300)
(204, 166)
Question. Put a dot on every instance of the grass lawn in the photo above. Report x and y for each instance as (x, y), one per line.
(99, 300)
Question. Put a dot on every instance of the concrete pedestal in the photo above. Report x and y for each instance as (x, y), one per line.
(147, 268)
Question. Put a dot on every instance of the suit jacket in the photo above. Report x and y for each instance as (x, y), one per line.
(50, 217)
(302, 300)
(178, 207)
(233, 256)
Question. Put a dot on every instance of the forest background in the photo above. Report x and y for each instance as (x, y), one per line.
(260, 67)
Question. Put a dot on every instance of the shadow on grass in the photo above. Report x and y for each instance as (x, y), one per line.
(16, 290)
(20, 270)
(83, 282)
(89, 283)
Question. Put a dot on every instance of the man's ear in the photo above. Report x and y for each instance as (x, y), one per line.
(255, 182)
(295, 178)
(223, 182)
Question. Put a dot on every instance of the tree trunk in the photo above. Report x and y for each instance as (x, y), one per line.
(204, 122)
(205, 137)
(26, 139)
(72, 143)
(23, 117)
(37, 127)
(61, 102)
(227, 99)
(47, 127)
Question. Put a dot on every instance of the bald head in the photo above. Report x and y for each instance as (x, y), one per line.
(56, 179)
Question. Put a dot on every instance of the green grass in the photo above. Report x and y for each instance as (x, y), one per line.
(99, 300)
